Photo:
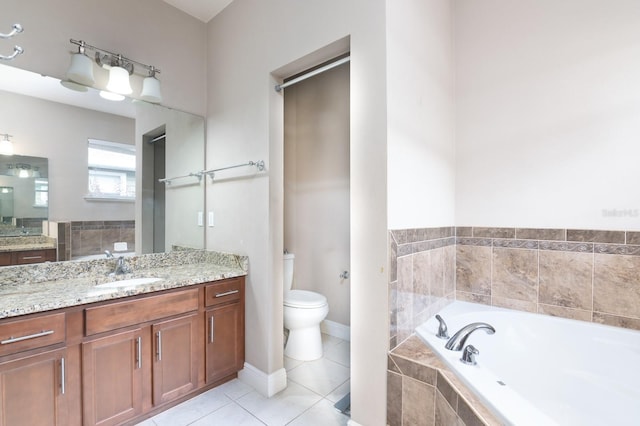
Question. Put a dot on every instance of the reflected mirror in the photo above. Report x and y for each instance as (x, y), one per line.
(51, 127)
(24, 191)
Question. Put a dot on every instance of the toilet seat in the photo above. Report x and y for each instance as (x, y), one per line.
(304, 299)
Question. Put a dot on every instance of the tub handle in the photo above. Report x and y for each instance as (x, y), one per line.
(442, 328)
(469, 355)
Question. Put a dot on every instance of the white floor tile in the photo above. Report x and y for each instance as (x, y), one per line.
(193, 409)
(328, 341)
(337, 394)
(282, 407)
(147, 422)
(321, 414)
(321, 376)
(229, 415)
(290, 363)
(235, 389)
(340, 353)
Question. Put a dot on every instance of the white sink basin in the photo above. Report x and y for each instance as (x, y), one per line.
(133, 282)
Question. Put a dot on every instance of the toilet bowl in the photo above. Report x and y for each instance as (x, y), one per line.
(303, 312)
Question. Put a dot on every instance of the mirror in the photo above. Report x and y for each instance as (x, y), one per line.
(24, 191)
(52, 123)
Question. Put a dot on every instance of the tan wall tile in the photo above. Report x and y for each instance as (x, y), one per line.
(519, 305)
(616, 285)
(445, 415)
(449, 270)
(394, 399)
(473, 298)
(561, 311)
(566, 279)
(473, 269)
(418, 403)
(616, 321)
(515, 274)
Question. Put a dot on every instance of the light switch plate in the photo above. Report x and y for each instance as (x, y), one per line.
(210, 219)
(200, 218)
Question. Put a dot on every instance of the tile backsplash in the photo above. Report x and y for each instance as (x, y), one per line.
(76, 239)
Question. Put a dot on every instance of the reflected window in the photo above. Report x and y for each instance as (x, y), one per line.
(112, 169)
(42, 193)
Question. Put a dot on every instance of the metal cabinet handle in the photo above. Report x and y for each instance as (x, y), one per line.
(62, 376)
(30, 336)
(227, 293)
(211, 326)
(139, 352)
(31, 257)
(159, 347)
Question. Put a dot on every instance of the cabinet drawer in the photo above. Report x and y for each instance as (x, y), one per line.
(5, 259)
(123, 314)
(22, 335)
(223, 292)
(33, 256)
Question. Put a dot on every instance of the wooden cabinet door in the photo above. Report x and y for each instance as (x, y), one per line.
(33, 390)
(225, 341)
(112, 370)
(175, 360)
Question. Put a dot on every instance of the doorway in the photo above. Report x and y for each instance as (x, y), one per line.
(317, 212)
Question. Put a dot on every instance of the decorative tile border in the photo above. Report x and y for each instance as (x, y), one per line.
(573, 240)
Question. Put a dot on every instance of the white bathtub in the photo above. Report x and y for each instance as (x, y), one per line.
(541, 370)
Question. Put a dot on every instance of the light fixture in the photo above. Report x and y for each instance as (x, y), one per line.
(24, 170)
(118, 77)
(6, 146)
(120, 69)
(81, 68)
(151, 88)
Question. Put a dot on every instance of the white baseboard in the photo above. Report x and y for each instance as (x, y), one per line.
(352, 423)
(336, 329)
(266, 384)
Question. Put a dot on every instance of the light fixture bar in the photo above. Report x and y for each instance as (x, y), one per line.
(115, 55)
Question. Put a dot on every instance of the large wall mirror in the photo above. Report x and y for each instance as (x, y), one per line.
(51, 127)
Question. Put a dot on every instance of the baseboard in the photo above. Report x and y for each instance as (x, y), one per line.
(266, 384)
(352, 423)
(336, 329)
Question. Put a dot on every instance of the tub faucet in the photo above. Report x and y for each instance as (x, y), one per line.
(456, 343)
(108, 254)
(442, 328)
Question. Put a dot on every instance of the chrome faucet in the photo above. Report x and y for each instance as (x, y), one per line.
(121, 267)
(456, 343)
(442, 328)
(108, 254)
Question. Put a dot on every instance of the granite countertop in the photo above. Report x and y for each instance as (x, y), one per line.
(42, 287)
(23, 243)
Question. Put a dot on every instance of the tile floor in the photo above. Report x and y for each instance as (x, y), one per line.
(313, 387)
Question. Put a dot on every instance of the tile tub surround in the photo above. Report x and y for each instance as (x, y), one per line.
(589, 275)
(41, 287)
(422, 277)
(422, 391)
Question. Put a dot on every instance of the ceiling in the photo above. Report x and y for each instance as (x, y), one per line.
(204, 10)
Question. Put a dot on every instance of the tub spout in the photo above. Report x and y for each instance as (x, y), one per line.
(456, 343)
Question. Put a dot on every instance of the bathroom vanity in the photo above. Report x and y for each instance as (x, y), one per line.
(111, 354)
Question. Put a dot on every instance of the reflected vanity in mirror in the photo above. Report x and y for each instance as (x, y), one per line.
(51, 127)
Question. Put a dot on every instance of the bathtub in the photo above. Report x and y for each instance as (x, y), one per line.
(541, 370)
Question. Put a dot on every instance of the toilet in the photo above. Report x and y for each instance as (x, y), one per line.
(303, 312)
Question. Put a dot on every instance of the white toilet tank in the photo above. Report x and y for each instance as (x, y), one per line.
(288, 271)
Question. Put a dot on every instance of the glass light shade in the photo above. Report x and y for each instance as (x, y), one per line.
(6, 147)
(151, 90)
(81, 69)
(119, 81)
(111, 96)
(23, 173)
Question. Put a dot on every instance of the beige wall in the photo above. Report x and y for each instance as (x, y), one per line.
(420, 100)
(148, 31)
(547, 113)
(316, 186)
(60, 132)
(248, 41)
